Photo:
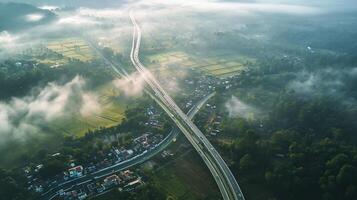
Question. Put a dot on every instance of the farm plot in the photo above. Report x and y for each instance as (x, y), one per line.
(165, 59)
(220, 66)
(223, 66)
(112, 112)
(72, 48)
(226, 70)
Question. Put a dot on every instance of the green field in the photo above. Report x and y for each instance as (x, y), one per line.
(67, 49)
(112, 112)
(220, 66)
(186, 178)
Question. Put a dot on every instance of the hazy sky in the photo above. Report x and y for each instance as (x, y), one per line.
(109, 3)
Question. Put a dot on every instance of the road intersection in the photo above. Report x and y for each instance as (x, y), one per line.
(223, 176)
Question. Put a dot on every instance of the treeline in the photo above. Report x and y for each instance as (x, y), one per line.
(306, 150)
(13, 187)
(293, 165)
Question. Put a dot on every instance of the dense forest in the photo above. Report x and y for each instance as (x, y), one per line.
(306, 151)
(302, 144)
(296, 79)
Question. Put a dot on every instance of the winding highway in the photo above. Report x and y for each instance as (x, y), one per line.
(224, 178)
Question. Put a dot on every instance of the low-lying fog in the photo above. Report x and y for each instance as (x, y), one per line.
(261, 27)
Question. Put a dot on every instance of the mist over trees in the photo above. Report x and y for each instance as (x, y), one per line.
(288, 127)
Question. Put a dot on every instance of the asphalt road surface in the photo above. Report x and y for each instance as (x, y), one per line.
(223, 176)
(68, 185)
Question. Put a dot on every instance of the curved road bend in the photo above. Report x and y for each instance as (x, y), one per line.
(223, 176)
(52, 193)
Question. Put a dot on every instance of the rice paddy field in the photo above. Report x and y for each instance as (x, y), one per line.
(72, 48)
(186, 177)
(220, 66)
(111, 113)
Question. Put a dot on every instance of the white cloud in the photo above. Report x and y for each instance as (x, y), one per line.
(48, 7)
(304, 84)
(8, 44)
(6, 38)
(258, 8)
(34, 17)
(23, 117)
(326, 81)
(232, 7)
(237, 108)
(103, 13)
(131, 86)
(153, 15)
(76, 20)
(90, 105)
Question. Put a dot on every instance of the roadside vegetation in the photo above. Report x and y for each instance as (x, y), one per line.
(283, 116)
